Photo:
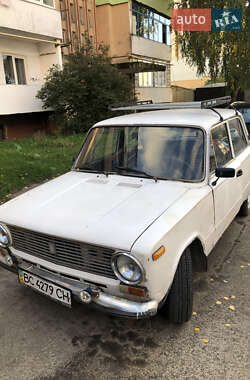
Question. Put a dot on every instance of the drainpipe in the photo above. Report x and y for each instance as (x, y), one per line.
(59, 56)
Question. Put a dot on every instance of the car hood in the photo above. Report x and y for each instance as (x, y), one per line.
(111, 211)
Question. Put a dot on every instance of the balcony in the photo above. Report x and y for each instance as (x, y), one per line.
(29, 19)
(150, 49)
(19, 99)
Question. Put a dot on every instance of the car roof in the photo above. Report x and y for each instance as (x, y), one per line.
(196, 117)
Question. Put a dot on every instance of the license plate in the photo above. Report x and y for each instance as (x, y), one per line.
(51, 290)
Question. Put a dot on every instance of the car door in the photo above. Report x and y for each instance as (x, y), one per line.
(226, 197)
(241, 151)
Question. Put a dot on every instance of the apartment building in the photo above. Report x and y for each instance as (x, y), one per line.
(138, 36)
(78, 18)
(30, 38)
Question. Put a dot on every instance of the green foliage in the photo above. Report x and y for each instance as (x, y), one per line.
(225, 53)
(34, 160)
(81, 92)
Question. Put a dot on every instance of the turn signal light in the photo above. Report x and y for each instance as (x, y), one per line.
(140, 292)
(158, 253)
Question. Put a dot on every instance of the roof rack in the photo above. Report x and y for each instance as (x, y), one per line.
(150, 106)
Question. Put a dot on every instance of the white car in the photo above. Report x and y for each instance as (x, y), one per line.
(148, 197)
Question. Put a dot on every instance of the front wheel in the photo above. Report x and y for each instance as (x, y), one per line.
(178, 306)
(244, 208)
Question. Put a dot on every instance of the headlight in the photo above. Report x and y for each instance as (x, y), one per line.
(127, 268)
(5, 237)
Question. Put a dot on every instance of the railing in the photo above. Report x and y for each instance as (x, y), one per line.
(19, 99)
(24, 16)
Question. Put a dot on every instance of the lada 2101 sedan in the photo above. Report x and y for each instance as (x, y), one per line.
(147, 198)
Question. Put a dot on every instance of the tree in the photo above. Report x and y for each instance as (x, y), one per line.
(80, 93)
(224, 53)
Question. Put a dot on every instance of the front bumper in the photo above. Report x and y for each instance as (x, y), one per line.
(98, 298)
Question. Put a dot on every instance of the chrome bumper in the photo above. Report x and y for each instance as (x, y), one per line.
(95, 296)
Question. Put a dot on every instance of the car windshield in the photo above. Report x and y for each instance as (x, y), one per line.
(162, 152)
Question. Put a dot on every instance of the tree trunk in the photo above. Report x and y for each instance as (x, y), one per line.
(234, 95)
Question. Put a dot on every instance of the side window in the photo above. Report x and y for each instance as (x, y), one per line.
(222, 149)
(238, 138)
(212, 157)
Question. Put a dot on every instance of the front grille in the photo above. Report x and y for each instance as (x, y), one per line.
(71, 254)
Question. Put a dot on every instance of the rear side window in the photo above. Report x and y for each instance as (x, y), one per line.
(221, 145)
(237, 135)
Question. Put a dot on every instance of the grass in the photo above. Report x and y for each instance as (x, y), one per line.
(34, 160)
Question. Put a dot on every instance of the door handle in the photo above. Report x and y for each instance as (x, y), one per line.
(239, 173)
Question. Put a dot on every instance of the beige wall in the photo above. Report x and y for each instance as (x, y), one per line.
(157, 94)
(113, 28)
(147, 48)
(181, 94)
(29, 17)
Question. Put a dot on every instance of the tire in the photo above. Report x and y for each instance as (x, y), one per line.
(244, 209)
(179, 303)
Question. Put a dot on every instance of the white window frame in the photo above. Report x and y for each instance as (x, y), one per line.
(13, 56)
(40, 2)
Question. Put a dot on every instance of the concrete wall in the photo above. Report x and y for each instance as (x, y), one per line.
(157, 94)
(181, 94)
(147, 48)
(19, 99)
(180, 70)
(24, 16)
(113, 28)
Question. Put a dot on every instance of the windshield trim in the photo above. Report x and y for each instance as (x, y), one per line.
(204, 177)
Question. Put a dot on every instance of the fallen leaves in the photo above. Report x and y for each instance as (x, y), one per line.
(196, 329)
(205, 340)
(228, 325)
(226, 298)
(194, 313)
(231, 307)
(218, 302)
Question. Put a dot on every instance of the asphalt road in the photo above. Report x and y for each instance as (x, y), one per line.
(42, 340)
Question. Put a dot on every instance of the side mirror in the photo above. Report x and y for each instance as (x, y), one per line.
(225, 172)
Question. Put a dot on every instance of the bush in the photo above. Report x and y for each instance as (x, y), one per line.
(81, 92)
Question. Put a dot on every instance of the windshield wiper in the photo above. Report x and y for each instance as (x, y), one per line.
(89, 168)
(127, 169)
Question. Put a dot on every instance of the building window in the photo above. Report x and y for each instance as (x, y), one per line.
(151, 79)
(72, 12)
(14, 70)
(75, 41)
(81, 13)
(63, 9)
(49, 3)
(90, 18)
(65, 36)
(149, 24)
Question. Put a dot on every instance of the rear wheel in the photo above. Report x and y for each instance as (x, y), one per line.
(178, 306)
(244, 209)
